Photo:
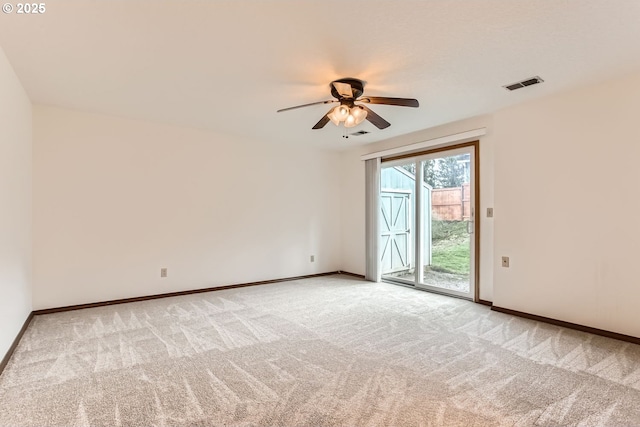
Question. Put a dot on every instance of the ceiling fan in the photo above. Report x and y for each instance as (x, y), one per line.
(347, 92)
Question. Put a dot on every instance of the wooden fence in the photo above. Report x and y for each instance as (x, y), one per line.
(451, 204)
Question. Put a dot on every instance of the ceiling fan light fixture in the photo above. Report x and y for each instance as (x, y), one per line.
(359, 114)
(342, 112)
(332, 116)
(339, 114)
(350, 121)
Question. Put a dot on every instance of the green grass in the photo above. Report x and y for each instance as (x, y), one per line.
(451, 248)
(452, 259)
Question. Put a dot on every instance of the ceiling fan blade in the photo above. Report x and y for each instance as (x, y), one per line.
(402, 102)
(377, 121)
(323, 121)
(344, 89)
(306, 105)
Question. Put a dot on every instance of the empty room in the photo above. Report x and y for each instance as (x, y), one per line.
(319, 213)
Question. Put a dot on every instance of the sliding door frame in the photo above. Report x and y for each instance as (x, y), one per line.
(476, 200)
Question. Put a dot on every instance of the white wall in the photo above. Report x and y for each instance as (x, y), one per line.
(15, 205)
(353, 209)
(115, 200)
(567, 199)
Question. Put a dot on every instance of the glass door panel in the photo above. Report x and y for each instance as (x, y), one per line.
(397, 206)
(447, 243)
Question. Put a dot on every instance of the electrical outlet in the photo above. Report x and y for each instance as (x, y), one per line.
(505, 261)
(312, 258)
(489, 212)
(163, 272)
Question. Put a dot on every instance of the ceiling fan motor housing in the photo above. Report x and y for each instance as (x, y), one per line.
(357, 87)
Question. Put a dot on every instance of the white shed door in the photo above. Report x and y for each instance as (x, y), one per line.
(395, 223)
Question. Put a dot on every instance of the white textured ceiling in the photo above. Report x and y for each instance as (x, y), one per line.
(229, 65)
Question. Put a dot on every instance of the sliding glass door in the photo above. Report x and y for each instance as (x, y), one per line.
(427, 221)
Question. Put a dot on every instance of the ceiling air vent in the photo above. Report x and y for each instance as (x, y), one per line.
(528, 82)
(360, 132)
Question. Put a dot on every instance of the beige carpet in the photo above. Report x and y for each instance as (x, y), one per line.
(324, 351)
